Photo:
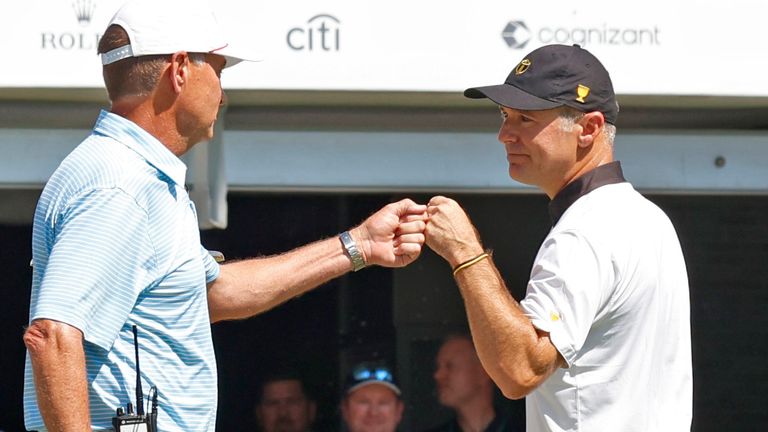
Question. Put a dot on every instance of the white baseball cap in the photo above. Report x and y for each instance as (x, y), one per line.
(169, 26)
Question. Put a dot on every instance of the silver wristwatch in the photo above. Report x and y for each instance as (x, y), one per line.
(354, 253)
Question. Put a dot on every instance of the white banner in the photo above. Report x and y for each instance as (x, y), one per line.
(655, 47)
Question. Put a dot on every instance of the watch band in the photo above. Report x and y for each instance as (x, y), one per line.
(354, 253)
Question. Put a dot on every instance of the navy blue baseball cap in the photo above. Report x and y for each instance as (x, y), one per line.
(553, 76)
(370, 373)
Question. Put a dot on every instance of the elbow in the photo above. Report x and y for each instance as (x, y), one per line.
(37, 337)
(514, 389)
(43, 336)
(513, 394)
(517, 382)
(219, 306)
(216, 315)
(521, 375)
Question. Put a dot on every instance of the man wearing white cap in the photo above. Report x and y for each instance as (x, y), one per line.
(371, 400)
(116, 243)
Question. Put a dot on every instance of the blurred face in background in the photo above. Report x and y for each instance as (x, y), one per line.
(459, 375)
(372, 408)
(284, 407)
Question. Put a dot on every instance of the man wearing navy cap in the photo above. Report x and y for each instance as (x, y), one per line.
(601, 340)
(371, 400)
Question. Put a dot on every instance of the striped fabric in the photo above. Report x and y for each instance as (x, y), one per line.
(116, 243)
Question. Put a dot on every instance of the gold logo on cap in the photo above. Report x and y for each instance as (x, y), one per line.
(582, 91)
(522, 67)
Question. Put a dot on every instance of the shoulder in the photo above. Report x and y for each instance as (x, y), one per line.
(97, 162)
(104, 163)
(612, 213)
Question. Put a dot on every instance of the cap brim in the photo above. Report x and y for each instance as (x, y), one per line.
(233, 56)
(233, 60)
(391, 386)
(511, 96)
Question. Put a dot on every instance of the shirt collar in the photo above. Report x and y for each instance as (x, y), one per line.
(609, 173)
(148, 147)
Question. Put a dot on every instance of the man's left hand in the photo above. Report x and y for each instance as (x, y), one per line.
(450, 233)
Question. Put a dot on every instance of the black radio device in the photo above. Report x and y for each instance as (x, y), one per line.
(126, 419)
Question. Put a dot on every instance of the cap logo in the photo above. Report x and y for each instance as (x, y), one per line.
(582, 91)
(522, 67)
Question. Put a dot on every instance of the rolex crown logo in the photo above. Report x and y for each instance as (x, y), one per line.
(83, 11)
(582, 91)
(522, 67)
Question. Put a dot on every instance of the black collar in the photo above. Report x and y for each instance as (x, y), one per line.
(609, 173)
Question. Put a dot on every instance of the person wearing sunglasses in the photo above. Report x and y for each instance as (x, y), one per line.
(371, 400)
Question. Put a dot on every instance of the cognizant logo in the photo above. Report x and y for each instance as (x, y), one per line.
(517, 34)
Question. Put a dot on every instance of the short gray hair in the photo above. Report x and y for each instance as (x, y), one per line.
(571, 116)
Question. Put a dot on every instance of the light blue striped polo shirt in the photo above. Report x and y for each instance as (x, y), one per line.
(116, 243)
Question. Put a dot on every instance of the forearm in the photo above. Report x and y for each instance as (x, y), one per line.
(58, 365)
(512, 351)
(391, 237)
(246, 288)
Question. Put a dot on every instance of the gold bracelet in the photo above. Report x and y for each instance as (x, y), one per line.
(470, 262)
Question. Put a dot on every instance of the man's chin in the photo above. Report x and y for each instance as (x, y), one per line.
(445, 401)
(516, 173)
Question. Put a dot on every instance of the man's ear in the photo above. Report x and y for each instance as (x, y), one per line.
(592, 124)
(400, 408)
(179, 70)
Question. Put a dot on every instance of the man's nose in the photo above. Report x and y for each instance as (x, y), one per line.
(438, 373)
(507, 133)
(223, 100)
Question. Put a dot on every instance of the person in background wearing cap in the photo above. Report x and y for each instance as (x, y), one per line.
(465, 387)
(116, 242)
(371, 400)
(601, 340)
(284, 405)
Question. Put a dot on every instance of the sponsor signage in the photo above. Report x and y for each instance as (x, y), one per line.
(518, 35)
(678, 48)
(320, 33)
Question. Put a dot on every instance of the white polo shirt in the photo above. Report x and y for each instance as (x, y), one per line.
(609, 285)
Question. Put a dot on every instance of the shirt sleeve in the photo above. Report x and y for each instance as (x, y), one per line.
(212, 268)
(100, 262)
(566, 290)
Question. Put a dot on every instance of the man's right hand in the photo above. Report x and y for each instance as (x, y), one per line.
(394, 235)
